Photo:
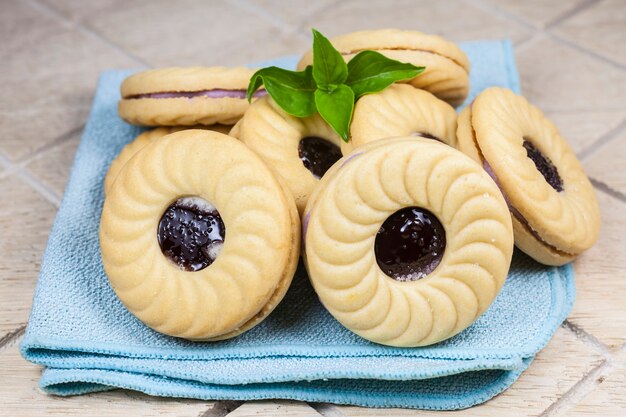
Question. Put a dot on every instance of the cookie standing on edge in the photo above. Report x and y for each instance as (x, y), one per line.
(181, 96)
(300, 150)
(554, 208)
(402, 110)
(407, 241)
(447, 67)
(199, 238)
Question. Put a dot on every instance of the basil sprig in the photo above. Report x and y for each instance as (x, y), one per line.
(331, 87)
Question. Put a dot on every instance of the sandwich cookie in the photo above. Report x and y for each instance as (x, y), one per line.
(402, 110)
(185, 96)
(554, 208)
(407, 241)
(300, 150)
(447, 67)
(199, 238)
(139, 142)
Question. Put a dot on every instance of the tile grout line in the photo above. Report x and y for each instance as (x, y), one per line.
(547, 30)
(37, 185)
(11, 336)
(221, 408)
(326, 409)
(19, 167)
(608, 190)
(580, 390)
(60, 140)
(85, 30)
(283, 26)
(495, 10)
(588, 339)
(602, 141)
(570, 13)
(559, 38)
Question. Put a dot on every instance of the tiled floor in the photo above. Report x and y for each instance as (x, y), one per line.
(572, 60)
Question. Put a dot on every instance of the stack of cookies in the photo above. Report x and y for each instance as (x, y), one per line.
(406, 230)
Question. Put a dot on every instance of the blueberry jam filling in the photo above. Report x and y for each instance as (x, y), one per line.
(544, 166)
(410, 244)
(427, 136)
(215, 93)
(191, 233)
(318, 154)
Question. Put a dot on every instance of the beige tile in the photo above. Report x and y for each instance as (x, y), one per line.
(555, 370)
(600, 28)
(49, 73)
(582, 129)
(292, 12)
(53, 166)
(456, 20)
(77, 10)
(193, 32)
(25, 221)
(20, 396)
(608, 164)
(557, 77)
(600, 285)
(607, 400)
(538, 13)
(274, 408)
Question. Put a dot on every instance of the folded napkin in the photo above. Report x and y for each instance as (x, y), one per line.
(88, 341)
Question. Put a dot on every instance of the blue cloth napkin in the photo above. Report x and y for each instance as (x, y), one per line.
(89, 342)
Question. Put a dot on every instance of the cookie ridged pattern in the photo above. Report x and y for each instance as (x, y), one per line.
(129, 151)
(345, 215)
(256, 262)
(140, 141)
(275, 135)
(401, 110)
(567, 220)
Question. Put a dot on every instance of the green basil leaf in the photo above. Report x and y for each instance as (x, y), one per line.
(371, 72)
(329, 68)
(293, 91)
(336, 109)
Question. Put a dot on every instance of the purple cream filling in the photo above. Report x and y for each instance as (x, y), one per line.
(217, 93)
(520, 218)
(305, 227)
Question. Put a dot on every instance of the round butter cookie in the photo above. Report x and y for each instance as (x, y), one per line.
(554, 208)
(407, 241)
(300, 150)
(139, 142)
(402, 110)
(199, 239)
(447, 67)
(185, 96)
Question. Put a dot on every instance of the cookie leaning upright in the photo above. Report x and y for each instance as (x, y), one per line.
(552, 202)
(447, 67)
(299, 150)
(402, 110)
(185, 96)
(199, 239)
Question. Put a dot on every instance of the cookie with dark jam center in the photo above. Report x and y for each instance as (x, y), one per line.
(410, 244)
(318, 154)
(544, 166)
(191, 233)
